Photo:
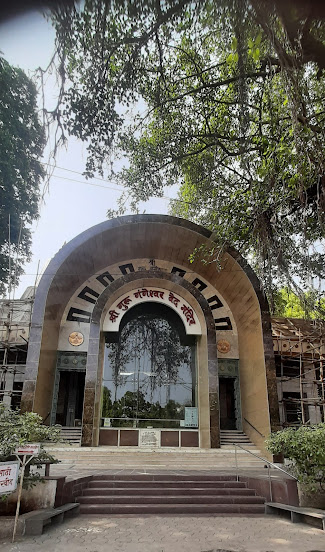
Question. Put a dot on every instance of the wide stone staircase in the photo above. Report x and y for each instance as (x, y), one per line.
(90, 459)
(99, 459)
(169, 494)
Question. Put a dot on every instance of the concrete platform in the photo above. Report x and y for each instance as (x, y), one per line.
(198, 533)
(135, 458)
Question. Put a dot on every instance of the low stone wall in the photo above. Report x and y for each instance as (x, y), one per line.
(67, 491)
(309, 499)
(50, 493)
(284, 490)
(42, 495)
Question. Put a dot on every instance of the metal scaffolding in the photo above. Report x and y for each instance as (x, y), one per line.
(299, 348)
(15, 322)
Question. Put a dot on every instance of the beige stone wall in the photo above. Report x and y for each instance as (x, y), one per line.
(46, 372)
(253, 386)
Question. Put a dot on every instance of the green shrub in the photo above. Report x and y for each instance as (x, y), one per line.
(19, 429)
(305, 448)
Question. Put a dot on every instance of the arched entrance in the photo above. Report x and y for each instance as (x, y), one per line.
(150, 377)
(177, 303)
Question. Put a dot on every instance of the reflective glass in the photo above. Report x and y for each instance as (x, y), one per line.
(149, 375)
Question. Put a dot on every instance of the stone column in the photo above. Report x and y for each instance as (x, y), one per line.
(90, 396)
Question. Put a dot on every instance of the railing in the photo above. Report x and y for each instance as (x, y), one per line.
(257, 431)
(46, 417)
(263, 460)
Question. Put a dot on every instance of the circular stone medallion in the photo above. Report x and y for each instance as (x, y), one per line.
(76, 339)
(223, 346)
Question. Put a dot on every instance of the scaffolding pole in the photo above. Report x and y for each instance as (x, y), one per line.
(307, 352)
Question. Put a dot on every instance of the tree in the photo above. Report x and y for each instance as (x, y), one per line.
(22, 141)
(225, 98)
(306, 305)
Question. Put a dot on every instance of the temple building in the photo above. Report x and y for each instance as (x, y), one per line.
(135, 339)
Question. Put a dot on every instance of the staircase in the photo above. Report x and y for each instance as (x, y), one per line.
(90, 460)
(71, 435)
(169, 494)
(228, 437)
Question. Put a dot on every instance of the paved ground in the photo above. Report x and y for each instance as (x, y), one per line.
(174, 534)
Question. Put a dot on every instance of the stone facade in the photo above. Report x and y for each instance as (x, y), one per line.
(102, 271)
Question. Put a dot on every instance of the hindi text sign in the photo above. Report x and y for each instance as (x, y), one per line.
(191, 416)
(30, 449)
(149, 438)
(8, 477)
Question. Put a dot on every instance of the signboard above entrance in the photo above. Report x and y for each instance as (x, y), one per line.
(158, 295)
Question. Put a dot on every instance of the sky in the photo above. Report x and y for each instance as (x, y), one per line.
(72, 204)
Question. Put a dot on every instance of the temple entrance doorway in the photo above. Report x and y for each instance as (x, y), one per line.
(227, 403)
(70, 398)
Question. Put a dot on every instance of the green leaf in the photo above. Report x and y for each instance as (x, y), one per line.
(256, 54)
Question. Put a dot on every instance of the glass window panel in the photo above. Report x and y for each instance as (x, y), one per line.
(149, 375)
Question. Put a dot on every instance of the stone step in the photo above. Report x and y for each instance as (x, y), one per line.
(136, 451)
(162, 484)
(236, 439)
(155, 461)
(157, 465)
(133, 458)
(92, 468)
(162, 477)
(169, 493)
(235, 436)
(234, 431)
(189, 509)
(224, 454)
(171, 499)
(193, 491)
(71, 434)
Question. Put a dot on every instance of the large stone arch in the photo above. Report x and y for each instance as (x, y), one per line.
(156, 236)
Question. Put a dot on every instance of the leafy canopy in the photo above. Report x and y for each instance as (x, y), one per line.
(21, 146)
(225, 98)
(306, 305)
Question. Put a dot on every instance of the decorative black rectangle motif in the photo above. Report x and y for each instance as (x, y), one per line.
(105, 279)
(215, 302)
(127, 268)
(178, 271)
(84, 315)
(223, 323)
(199, 284)
(89, 295)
